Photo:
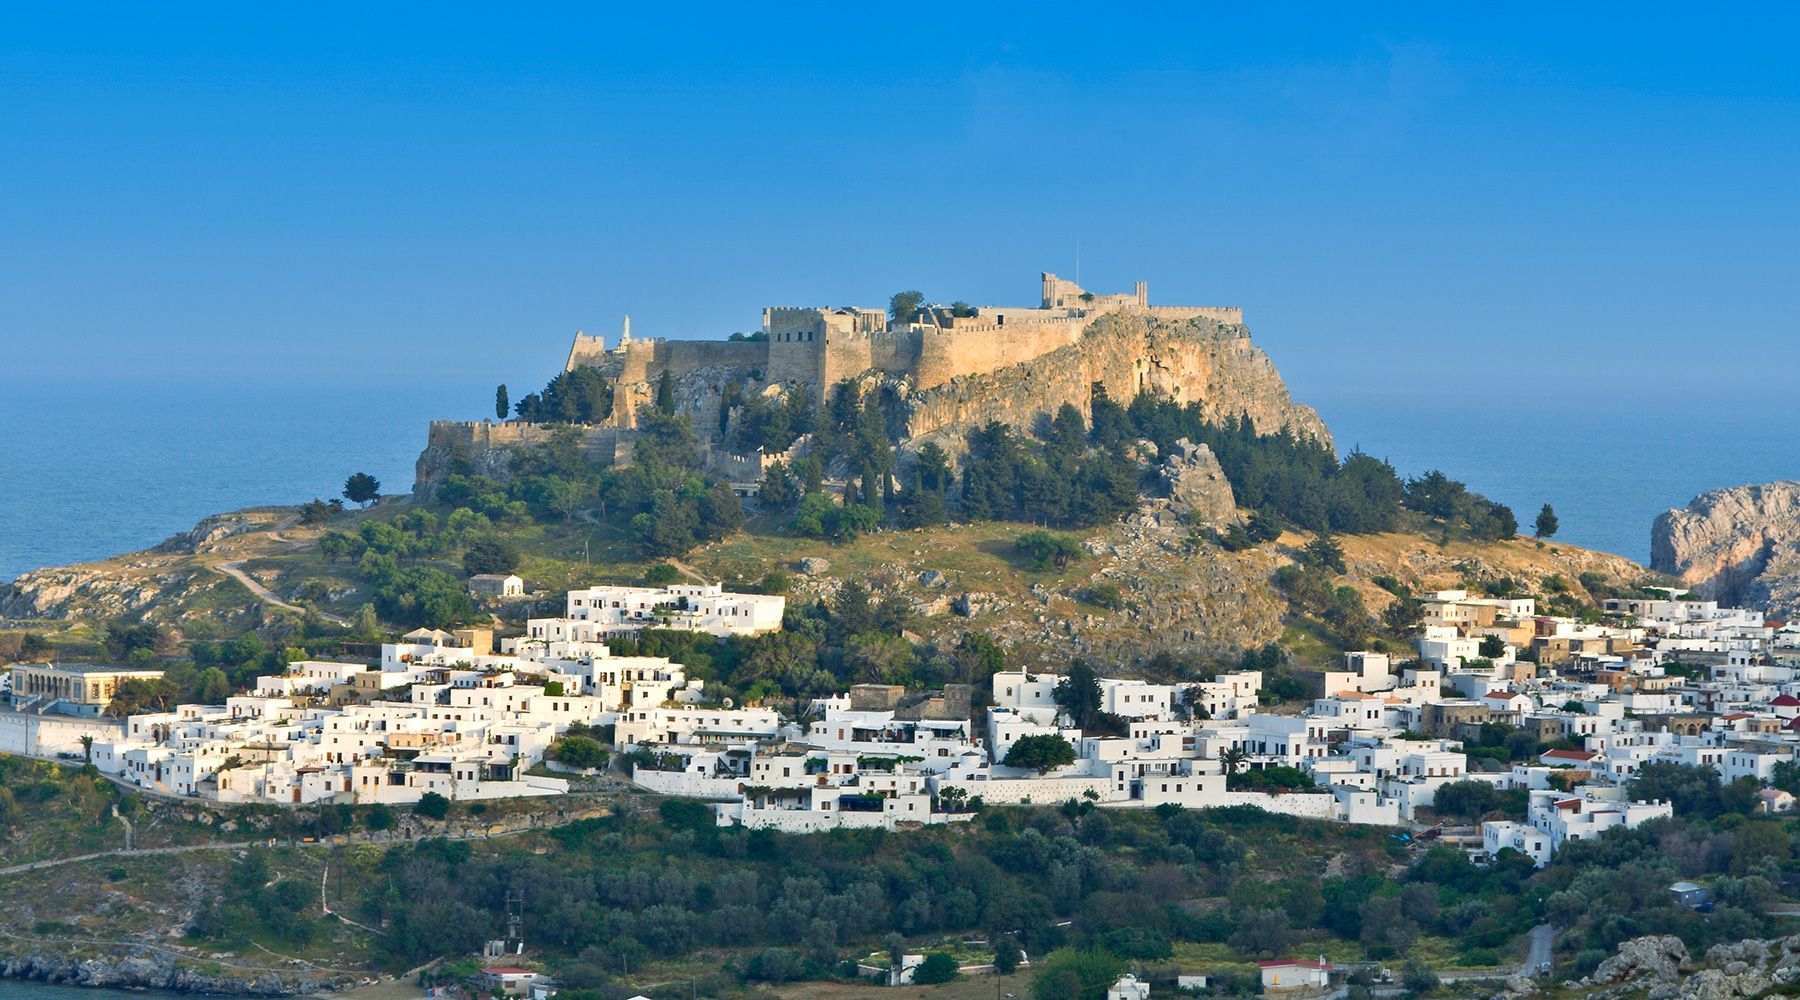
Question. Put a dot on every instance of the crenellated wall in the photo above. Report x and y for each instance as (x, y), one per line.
(972, 348)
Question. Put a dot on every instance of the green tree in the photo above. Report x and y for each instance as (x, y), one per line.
(1007, 954)
(1492, 647)
(902, 305)
(379, 817)
(213, 687)
(1078, 694)
(1039, 752)
(580, 751)
(362, 488)
(938, 967)
(1325, 553)
(1261, 931)
(367, 623)
(1546, 522)
(1386, 929)
(502, 406)
(317, 511)
(665, 393)
(1076, 975)
(1419, 978)
(1466, 799)
(1403, 615)
(777, 491)
(490, 555)
(848, 523)
(141, 695)
(1047, 550)
(1262, 527)
(566, 496)
(432, 806)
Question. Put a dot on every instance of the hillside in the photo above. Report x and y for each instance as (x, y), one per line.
(1175, 592)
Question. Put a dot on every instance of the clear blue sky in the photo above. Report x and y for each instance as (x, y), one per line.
(1403, 199)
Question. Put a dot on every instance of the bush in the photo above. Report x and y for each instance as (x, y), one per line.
(661, 575)
(432, 806)
(1047, 550)
(490, 555)
(938, 967)
(1105, 595)
(580, 751)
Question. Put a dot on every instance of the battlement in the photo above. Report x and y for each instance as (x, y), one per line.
(585, 351)
(815, 347)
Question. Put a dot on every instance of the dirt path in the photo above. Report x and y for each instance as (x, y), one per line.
(689, 571)
(235, 570)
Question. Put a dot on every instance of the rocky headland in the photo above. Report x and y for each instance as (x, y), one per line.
(1739, 545)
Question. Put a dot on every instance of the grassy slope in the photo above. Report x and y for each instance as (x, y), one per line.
(1195, 599)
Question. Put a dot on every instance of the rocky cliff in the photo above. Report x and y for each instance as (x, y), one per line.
(1660, 968)
(1740, 545)
(150, 968)
(1190, 361)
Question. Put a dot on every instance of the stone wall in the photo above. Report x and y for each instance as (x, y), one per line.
(585, 352)
(977, 348)
(700, 369)
(488, 447)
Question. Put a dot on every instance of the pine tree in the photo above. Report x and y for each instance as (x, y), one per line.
(665, 393)
(1546, 522)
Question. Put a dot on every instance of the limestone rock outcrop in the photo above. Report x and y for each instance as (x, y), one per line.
(154, 970)
(1657, 958)
(1660, 968)
(1198, 489)
(1739, 545)
(1198, 360)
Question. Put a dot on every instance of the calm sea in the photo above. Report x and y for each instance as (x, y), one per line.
(25, 989)
(88, 471)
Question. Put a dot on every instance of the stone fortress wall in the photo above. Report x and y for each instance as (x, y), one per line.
(819, 347)
(488, 447)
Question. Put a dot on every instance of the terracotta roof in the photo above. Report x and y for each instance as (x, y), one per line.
(1784, 700)
(1570, 754)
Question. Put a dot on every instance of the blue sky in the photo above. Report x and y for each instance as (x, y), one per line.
(1404, 199)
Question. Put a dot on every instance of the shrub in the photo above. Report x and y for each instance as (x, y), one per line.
(432, 806)
(661, 575)
(938, 967)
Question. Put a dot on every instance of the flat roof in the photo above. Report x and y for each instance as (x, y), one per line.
(93, 668)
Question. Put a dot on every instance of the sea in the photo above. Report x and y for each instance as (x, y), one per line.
(29, 989)
(91, 470)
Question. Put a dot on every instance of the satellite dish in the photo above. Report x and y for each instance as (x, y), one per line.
(728, 703)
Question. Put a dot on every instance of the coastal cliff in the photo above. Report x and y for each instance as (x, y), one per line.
(1739, 545)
